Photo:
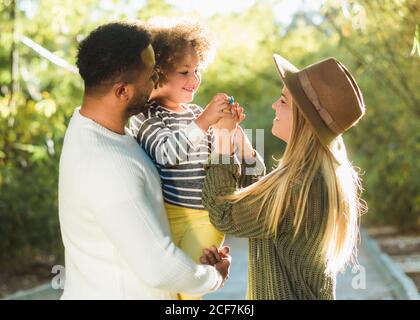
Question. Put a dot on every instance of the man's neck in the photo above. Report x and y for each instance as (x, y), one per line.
(104, 114)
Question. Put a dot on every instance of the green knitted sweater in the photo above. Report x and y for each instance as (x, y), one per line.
(280, 267)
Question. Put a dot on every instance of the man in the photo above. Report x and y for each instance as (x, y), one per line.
(114, 228)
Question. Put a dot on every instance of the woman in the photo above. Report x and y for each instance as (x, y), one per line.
(302, 219)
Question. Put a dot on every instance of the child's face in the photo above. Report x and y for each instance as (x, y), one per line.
(183, 83)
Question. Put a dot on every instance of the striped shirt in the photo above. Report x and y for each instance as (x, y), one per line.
(178, 148)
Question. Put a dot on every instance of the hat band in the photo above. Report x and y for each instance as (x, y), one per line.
(313, 97)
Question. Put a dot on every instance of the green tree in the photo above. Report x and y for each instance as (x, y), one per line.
(37, 97)
(376, 38)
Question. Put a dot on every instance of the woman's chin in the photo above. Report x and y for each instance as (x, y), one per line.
(276, 134)
(273, 130)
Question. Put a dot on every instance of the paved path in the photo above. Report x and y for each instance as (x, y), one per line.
(371, 285)
(368, 285)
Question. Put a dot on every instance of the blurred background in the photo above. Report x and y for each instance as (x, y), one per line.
(39, 89)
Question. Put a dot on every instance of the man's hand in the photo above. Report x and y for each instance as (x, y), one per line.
(219, 258)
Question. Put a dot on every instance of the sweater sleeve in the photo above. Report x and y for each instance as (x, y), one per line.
(137, 231)
(252, 169)
(238, 219)
(167, 146)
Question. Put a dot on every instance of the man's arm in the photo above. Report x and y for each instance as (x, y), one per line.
(138, 232)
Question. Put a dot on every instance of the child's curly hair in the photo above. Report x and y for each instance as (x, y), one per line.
(171, 43)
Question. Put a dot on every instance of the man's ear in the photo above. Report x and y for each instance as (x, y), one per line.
(122, 91)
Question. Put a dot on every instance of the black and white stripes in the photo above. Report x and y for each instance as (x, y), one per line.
(178, 148)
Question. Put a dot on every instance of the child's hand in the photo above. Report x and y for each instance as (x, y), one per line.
(214, 112)
(231, 123)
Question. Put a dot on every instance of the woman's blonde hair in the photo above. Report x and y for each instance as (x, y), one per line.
(304, 157)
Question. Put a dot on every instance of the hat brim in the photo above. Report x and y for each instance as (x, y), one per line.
(283, 66)
(289, 76)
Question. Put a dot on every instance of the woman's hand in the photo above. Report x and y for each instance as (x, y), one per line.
(231, 123)
(214, 112)
(224, 130)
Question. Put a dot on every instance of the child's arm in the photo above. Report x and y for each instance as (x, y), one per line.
(170, 147)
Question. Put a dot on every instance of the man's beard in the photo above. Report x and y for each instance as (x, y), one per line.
(137, 105)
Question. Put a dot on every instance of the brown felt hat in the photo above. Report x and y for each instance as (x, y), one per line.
(326, 94)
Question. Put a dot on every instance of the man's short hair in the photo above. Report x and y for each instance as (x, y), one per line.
(112, 52)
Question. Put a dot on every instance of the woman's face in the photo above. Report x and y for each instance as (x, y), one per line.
(183, 82)
(282, 123)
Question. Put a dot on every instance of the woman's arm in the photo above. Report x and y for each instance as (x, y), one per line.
(252, 169)
(222, 178)
(239, 219)
(252, 164)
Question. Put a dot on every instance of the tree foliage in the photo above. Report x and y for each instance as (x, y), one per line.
(37, 97)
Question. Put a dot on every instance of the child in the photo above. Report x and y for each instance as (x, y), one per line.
(177, 135)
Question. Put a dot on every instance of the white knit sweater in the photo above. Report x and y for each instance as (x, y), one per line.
(113, 223)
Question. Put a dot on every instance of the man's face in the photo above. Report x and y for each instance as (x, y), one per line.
(144, 86)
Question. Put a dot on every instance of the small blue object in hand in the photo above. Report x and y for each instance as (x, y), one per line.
(231, 100)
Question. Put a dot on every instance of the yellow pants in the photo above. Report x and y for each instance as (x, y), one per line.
(192, 232)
